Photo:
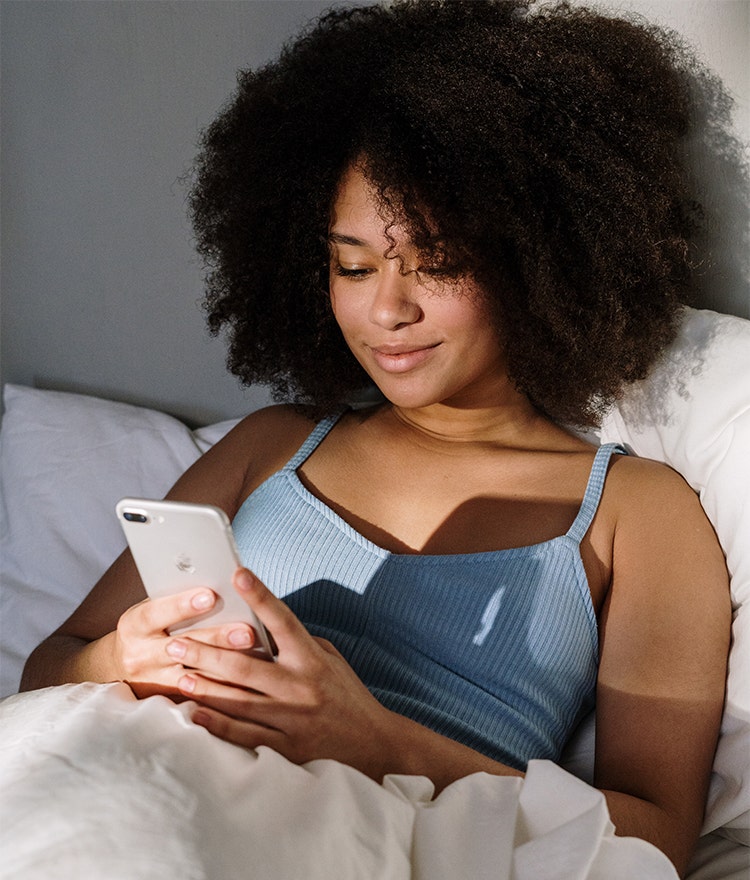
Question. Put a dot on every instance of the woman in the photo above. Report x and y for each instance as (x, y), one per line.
(481, 210)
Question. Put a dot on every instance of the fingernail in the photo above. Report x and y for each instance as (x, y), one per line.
(176, 649)
(202, 601)
(240, 638)
(187, 684)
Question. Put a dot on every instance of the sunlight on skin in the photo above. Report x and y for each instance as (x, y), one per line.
(426, 341)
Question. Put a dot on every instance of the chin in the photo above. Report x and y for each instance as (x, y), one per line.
(409, 398)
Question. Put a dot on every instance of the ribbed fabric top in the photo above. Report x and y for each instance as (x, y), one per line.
(497, 650)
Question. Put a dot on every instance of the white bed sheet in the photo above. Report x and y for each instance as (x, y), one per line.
(97, 784)
(717, 858)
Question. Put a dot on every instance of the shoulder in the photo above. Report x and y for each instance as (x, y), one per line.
(666, 556)
(267, 439)
(660, 544)
(638, 487)
(655, 512)
(639, 491)
(260, 444)
(277, 421)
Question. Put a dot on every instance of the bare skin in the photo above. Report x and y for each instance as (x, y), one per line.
(457, 461)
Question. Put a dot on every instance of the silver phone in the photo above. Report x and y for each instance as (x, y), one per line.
(177, 545)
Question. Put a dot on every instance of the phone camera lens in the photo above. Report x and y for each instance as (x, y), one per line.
(134, 517)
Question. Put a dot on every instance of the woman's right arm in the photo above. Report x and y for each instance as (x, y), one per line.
(116, 634)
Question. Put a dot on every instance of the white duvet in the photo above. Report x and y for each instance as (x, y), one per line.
(97, 784)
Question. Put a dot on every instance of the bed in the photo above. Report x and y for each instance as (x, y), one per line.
(94, 783)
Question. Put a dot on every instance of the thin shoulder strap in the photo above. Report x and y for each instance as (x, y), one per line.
(594, 489)
(314, 439)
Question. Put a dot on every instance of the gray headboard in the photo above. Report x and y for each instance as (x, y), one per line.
(102, 106)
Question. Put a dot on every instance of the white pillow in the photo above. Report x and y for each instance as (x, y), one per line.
(65, 459)
(693, 412)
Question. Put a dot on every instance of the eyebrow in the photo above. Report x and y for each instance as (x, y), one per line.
(340, 238)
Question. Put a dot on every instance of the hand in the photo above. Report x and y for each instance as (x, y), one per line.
(307, 704)
(141, 640)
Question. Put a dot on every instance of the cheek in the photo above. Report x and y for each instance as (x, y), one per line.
(334, 300)
(335, 304)
(466, 313)
(473, 323)
(345, 309)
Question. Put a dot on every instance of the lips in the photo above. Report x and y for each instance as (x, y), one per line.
(401, 358)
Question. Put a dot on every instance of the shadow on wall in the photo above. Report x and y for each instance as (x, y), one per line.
(719, 164)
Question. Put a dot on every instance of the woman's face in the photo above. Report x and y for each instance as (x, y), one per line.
(423, 340)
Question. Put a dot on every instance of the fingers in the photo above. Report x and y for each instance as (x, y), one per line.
(234, 636)
(214, 662)
(154, 616)
(245, 717)
(210, 661)
(281, 622)
(152, 662)
(243, 733)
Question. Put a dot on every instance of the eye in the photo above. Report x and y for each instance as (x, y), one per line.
(355, 274)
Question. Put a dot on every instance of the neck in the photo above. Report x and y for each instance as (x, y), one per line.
(511, 423)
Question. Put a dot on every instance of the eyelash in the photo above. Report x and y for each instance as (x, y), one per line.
(356, 274)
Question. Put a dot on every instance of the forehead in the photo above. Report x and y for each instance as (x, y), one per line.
(355, 215)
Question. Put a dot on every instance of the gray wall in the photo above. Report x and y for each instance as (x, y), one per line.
(102, 103)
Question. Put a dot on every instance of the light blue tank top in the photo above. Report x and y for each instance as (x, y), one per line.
(497, 650)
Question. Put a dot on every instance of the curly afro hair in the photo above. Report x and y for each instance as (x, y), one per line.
(544, 146)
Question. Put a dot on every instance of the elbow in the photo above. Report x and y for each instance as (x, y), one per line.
(671, 831)
(33, 677)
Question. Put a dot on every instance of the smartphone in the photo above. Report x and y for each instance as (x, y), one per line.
(177, 545)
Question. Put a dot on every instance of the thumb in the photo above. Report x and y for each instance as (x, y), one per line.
(281, 622)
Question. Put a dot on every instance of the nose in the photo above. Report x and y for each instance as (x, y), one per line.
(395, 302)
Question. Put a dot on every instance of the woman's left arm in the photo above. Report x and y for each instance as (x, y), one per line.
(664, 633)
